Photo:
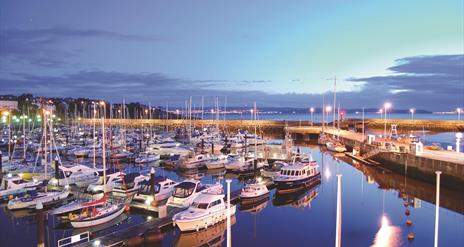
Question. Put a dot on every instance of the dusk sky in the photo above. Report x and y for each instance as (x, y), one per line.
(279, 53)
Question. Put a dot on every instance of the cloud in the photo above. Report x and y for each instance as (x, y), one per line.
(39, 46)
(424, 82)
(421, 80)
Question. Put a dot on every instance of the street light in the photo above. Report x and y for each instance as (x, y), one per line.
(412, 110)
(312, 111)
(386, 106)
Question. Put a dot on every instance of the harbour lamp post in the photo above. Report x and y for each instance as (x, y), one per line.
(327, 110)
(146, 113)
(459, 113)
(458, 141)
(412, 110)
(312, 111)
(437, 208)
(386, 106)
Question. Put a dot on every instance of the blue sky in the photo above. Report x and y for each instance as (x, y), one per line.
(279, 53)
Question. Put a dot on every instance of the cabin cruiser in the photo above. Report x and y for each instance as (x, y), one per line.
(100, 186)
(130, 183)
(214, 236)
(207, 209)
(162, 190)
(80, 175)
(240, 164)
(34, 199)
(296, 176)
(145, 157)
(194, 161)
(336, 146)
(14, 185)
(216, 162)
(253, 192)
(185, 192)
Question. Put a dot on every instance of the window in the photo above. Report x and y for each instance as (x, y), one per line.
(200, 205)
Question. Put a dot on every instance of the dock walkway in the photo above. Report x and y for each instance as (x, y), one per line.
(119, 236)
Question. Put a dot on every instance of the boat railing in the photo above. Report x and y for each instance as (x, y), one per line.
(74, 239)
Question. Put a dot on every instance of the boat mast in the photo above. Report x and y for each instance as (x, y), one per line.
(104, 144)
(334, 98)
(94, 141)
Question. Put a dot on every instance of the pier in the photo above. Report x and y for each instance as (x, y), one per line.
(139, 233)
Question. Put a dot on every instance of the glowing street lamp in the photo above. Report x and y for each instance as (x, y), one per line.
(412, 110)
(312, 111)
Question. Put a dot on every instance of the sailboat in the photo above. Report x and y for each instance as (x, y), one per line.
(33, 198)
(100, 211)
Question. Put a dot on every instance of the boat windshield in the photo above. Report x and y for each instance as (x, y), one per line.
(183, 192)
(200, 205)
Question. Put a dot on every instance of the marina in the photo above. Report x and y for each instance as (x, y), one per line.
(231, 123)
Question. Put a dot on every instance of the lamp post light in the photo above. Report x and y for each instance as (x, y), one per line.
(412, 110)
(312, 111)
(327, 110)
(386, 106)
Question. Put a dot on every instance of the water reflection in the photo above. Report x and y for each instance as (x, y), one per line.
(388, 235)
(300, 199)
(213, 236)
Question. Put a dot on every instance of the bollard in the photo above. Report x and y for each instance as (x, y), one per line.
(212, 147)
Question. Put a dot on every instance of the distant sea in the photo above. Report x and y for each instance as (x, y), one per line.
(318, 117)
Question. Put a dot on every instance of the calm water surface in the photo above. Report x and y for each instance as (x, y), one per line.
(305, 219)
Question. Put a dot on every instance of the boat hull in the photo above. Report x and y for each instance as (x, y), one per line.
(290, 186)
(90, 223)
(204, 221)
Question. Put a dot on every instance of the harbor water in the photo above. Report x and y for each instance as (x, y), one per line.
(376, 206)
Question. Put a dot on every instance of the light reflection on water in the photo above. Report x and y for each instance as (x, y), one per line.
(302, 219)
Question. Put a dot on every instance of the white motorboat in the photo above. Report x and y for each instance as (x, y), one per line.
(15, 185)
(185, 192)
(34, 199)
(216, 162)
(194, 161)
(100, 186)
(162, 190)
(335, 146)
(253, 192)
(129, 184)
(206, 210)
(80, 175)
(96, 215)
(145, 157)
